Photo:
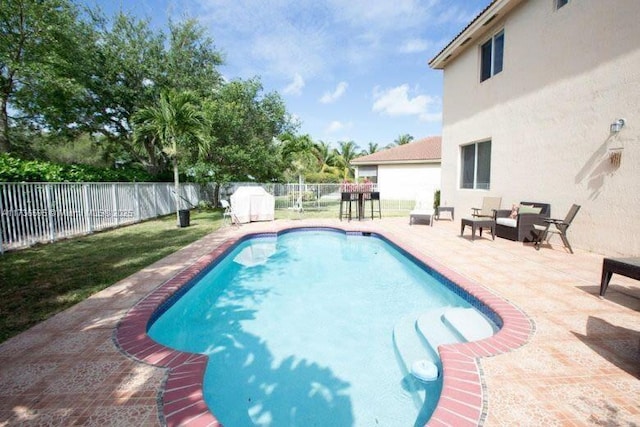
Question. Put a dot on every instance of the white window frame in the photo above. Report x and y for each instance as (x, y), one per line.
(475, 166)
(492, 59)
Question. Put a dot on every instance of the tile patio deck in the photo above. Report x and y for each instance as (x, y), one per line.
(581, 366)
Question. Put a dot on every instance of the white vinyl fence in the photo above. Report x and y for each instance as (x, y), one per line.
(45, 212)
(319, 196)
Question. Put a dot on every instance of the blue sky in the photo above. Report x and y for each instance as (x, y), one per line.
(347, 69)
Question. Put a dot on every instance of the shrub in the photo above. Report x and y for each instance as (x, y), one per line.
(13, 169)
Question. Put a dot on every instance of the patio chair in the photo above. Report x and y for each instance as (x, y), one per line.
(423, 209)
(544, 232)
(489, 206)
(228, 216)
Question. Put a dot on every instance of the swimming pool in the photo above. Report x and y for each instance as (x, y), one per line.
(336, 366)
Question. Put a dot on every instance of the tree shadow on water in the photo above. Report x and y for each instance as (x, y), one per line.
(244, 384)
(245, 387)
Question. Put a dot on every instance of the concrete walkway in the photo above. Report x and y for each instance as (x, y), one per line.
(581, 367)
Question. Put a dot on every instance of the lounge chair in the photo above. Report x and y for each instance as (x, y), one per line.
(423, 210)
(228, 215)
(489, 206)
(561, 226)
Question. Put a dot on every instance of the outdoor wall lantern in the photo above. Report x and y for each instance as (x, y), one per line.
(615, 149)
(617, 126)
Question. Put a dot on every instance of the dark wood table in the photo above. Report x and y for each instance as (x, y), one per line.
(478, 223)
(629, 267)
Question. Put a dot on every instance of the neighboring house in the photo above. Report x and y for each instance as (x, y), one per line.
(531, 90)
(403, 172)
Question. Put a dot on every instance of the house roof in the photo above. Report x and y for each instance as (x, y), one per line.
(425, 150)
(474, 31)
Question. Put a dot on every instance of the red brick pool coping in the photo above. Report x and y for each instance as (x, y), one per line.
(461, 403)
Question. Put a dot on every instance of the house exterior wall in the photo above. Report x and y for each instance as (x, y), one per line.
(567, 75)
(405, 181)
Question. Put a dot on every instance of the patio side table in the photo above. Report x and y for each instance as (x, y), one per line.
(441, 209)
(629, 267)
(478, 223)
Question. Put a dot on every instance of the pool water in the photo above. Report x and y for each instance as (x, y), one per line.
(298, 330)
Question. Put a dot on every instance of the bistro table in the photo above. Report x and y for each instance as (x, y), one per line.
(363, 191)
(629, 267)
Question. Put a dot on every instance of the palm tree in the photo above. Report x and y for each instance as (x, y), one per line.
(346, 153)
(177, 126)
(325, 155)
(403, 139)
(373, 148)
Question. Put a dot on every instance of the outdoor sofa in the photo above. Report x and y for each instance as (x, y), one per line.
(518, 225)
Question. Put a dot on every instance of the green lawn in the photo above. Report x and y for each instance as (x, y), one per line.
(43, 280)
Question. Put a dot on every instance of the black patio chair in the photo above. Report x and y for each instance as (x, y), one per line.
(561, 226)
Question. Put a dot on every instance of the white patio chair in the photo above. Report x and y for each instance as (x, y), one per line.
(228, 216)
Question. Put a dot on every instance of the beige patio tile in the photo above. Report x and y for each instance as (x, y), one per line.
(581, 366)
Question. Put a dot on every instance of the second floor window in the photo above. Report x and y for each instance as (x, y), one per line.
(491, 54)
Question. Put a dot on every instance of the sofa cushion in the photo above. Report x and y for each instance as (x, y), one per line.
(529, 209)
(508, 222)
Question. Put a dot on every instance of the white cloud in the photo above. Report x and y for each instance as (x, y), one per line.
(330, 97)
(397, 102)
(415, 46)
(295, 87)
(430, 117)
(335, 126)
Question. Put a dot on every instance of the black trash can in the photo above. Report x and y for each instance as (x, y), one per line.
(185, 216)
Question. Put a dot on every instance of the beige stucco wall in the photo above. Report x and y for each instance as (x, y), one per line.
(568, 74)
(404, 182)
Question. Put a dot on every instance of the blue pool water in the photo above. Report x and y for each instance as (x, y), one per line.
(299, 331)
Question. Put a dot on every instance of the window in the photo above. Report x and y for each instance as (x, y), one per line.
(476, 166)
(491, 54)
(560, 3)
(368, 172)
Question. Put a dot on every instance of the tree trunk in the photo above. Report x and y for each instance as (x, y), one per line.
(176, 189)
(5, 144)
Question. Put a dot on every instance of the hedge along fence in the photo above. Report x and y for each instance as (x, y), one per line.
(45, 212)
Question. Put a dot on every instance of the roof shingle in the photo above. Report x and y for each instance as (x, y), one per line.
(422, 150)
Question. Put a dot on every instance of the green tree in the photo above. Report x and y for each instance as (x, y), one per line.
(297, 155)
(372, 148)
(246, 124)
(403, 139)
(325, 156)
(42, 56)
(346, 153)
(177, 125)
(133, 65)
(192, 59)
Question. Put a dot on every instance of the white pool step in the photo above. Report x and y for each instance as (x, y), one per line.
(433, 330)
(417, 336)
(409, 343)
(410, 347)
(469, 323)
